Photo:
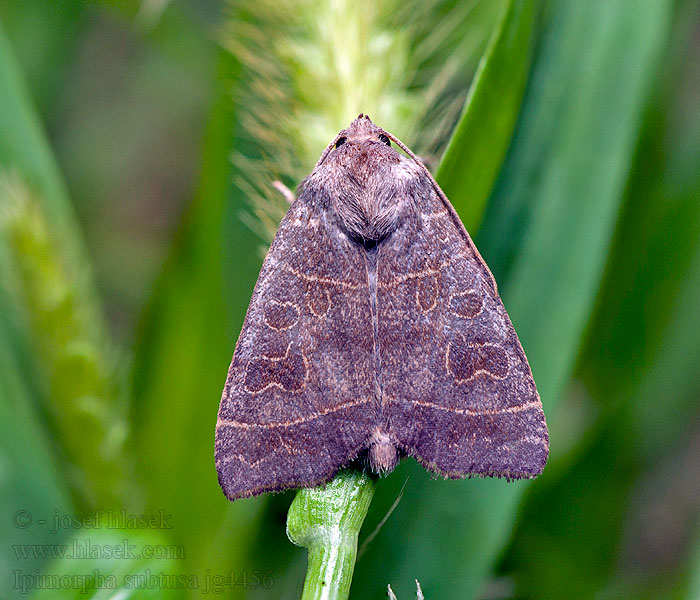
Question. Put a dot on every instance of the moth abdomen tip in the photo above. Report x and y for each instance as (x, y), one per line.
(383, 454)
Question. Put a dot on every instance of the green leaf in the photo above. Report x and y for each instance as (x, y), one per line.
(187, 339)
(49, 305)
(24, 149)
(572, 528)
(31, 486)
(75, 369)
(589, 88)
(44, 38)
(473, 158)
(31, 477)
(639, 367)
(651, 261)
(693, 589)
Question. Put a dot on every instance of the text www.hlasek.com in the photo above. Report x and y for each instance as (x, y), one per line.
(86, 549)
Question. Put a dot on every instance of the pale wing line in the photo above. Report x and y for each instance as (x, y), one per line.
(326, 280)
(478, 371)
(527, 439)
(419, 274)
(479, 413)
(292, 304)
(322, 413)
(276, 383)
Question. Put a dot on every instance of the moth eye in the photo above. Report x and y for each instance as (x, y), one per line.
(385, 139)
(341, 141)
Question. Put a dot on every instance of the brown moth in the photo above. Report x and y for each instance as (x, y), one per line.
(375, 330)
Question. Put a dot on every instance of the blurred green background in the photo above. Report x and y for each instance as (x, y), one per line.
(138, 143)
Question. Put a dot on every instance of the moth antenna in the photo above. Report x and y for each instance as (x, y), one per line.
(328, 149)
(415, 159)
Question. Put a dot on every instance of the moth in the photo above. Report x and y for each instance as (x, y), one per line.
(375, 331)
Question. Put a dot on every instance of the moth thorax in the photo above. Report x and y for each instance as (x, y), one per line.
(383, 455)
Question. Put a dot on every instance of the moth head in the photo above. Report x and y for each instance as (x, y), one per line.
(362, 146)
(362, 130)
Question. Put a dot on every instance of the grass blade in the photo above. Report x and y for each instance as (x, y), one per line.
(185, 347)
(473, 158)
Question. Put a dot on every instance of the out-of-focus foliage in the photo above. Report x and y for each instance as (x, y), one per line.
(138, 144)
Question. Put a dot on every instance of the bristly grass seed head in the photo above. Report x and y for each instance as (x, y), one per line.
(309, 68)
